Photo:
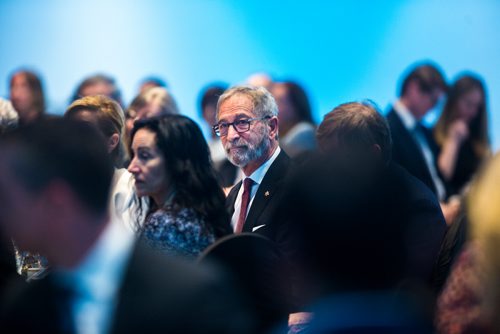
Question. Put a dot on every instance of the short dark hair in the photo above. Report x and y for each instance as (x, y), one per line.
(298, 98)
(210, 95)
(93, 80)
(64, 149)
(355, 124)
(427, 75)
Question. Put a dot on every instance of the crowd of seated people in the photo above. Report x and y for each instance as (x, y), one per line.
(368, 222)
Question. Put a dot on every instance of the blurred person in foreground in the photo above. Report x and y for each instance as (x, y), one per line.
(171, 165)
(27, 96)
(54, 185)
(470, 301)
(370, 232)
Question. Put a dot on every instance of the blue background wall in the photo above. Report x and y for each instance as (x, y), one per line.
(340, 50)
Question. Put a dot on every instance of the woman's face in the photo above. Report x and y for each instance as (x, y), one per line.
(468, 105)
(148, 167)
(21, 95)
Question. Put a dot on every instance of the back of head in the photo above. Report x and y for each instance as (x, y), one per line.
(58, 149)
(355, 129)
(209, 97)
(428, 76)
(109, 118)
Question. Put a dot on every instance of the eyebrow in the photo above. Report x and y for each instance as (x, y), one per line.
(238, 116)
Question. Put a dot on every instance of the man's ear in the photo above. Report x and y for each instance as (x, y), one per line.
(273, 127)
(113, 142)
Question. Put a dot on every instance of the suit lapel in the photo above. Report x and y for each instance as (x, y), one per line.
(267, 189)
(231, 198)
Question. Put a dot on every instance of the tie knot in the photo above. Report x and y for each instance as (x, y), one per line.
(247, 183)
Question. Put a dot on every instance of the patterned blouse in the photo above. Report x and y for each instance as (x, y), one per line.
(180, 232)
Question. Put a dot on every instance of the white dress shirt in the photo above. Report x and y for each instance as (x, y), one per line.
(410, 124)
(97, 279)
(257, 176)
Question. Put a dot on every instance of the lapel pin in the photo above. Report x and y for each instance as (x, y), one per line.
(266, 193)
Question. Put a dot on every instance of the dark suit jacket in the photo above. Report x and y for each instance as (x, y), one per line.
(406, 200)
(266, 200)
(407, 153)
(159, 294)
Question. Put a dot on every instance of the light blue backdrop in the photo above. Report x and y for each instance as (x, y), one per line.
(340, 50)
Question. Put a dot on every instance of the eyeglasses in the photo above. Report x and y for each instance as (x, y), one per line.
(240, 125)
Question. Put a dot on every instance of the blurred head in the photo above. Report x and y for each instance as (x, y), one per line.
(99, 84)
(151, 82)
(208, 102)
(54, 184)
(356, 131)
(26, 95)
(293, 104)
(260, 80)
(467, 102)
(107, 116)
(253, 135)
(154, 102)
(422, 88)
(171, 160)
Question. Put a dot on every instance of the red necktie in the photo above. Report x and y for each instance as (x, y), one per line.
(245, 200)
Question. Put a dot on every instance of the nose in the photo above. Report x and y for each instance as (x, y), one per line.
(232, 133)
(133, 168)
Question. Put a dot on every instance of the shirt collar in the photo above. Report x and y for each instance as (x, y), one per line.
(258, 175)
(406, 116)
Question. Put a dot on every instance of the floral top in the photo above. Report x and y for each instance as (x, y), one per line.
(179, 232)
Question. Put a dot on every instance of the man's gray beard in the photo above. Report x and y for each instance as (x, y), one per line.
(251, 154)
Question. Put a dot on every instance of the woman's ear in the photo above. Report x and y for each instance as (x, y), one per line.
(113, 142)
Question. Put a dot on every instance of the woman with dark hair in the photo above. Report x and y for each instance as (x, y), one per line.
(171, 165)
(462, 132)
(297, 128)
(26, 95)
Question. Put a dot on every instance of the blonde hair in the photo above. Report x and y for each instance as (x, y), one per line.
(484, 216)
(110, 120)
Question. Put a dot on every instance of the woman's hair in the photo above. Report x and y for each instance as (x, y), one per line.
(109, 117)
(478, 126)
(36, 88)
(188, 164)
(298, 98)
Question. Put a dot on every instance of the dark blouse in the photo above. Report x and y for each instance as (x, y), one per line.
(180, 232)
(466, 166)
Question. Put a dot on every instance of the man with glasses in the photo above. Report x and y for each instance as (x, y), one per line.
(414, 147)
(247, 123)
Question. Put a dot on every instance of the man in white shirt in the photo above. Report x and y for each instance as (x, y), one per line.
(413, 144)
(55, 179)
(247, 124)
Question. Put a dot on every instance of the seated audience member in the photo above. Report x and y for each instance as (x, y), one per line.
(470, 301)
(357, 133)
(99, 84)
(108, 117)
(297, 130)
(462, 132)
(354, 258)
(414, 147)
(54, 183)
(151, 82)
(226, 171)
(260, 79)
(26, 95)
(171, 165)
(153, 102)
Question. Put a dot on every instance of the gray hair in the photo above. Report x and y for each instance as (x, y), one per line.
(8, 116)
(263, 102)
